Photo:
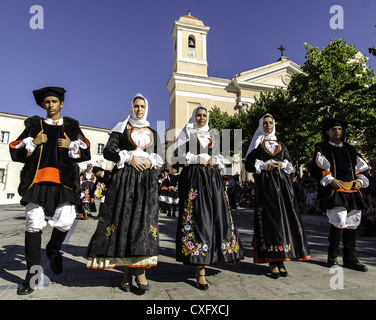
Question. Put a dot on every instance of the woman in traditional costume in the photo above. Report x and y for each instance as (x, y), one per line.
(278, 230)
(127, 232)
(206, 233)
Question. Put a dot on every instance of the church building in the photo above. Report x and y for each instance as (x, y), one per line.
(190, 85)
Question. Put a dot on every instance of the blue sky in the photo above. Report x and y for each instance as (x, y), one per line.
(105, 51)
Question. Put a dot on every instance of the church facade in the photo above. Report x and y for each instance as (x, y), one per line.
(190, 85)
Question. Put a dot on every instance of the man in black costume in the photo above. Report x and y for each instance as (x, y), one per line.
(164, 184)
(173, 191)
(339, 169)
(49, 183)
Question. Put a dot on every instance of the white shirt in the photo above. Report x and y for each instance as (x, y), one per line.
(140, 138)
(324, 164)
(272, 146)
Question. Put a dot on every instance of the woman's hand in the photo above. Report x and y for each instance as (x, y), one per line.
(212, 162)
(271, 166)
(202, 161)
(140, 164)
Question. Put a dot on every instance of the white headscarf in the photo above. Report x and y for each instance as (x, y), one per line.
(132, 119)
(191, 128)
(260, 135)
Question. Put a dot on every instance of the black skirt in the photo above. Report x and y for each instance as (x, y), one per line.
(128, 219)
(279, 233)
(206, 233)
(351, 201)
(49, 196)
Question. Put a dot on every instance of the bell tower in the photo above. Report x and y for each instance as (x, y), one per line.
(189, 36)
(190, 67)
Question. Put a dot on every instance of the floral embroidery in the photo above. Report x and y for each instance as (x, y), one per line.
(271, 247)
(110, 229)
(232, 245)
(189, 246)
(153, 231)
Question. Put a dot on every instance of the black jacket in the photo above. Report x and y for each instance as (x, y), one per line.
(317, 173)
(68, 167)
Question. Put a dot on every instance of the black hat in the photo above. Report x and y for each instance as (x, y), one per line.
(96, 169)
(40, 94)
(332, 122)
(175, 166)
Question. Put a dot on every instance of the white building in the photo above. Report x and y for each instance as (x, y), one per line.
(11, 126)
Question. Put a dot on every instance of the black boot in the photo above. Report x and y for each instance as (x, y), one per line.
(174, 210)
(334, 238)
(349, 259)
(163, 207)
(53, 250)
(33, 256)
(169, 207)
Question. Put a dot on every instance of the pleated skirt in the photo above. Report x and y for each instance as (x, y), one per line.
(127, 233)
(279, 234)
(206, 232)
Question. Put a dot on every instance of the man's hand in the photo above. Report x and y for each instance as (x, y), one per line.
(357, 185)
(40, 138)
(64, 142)
(336, 184)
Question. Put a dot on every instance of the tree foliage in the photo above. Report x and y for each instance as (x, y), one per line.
(333, 83)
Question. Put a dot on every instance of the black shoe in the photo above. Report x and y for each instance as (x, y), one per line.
(355, 266)
(143, 287)
(125, 287)
(25, 289)
(201, 286)
(274, 271)
(274, 275)
(332, 262)
(282, 270)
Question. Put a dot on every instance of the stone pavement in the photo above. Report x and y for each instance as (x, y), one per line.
(170, 280)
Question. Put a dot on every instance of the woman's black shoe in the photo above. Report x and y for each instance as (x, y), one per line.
(282, 270)
(125, 287)
(143, 287)
(274, 271)
(275, 275)
(201, 286)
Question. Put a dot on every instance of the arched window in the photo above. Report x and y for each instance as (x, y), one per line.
(191, 41)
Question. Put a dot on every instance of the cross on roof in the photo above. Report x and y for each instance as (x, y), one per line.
(281, 48)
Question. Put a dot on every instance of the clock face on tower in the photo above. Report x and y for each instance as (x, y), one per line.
(192, 53)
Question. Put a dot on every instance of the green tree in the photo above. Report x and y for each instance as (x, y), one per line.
(334, 83)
